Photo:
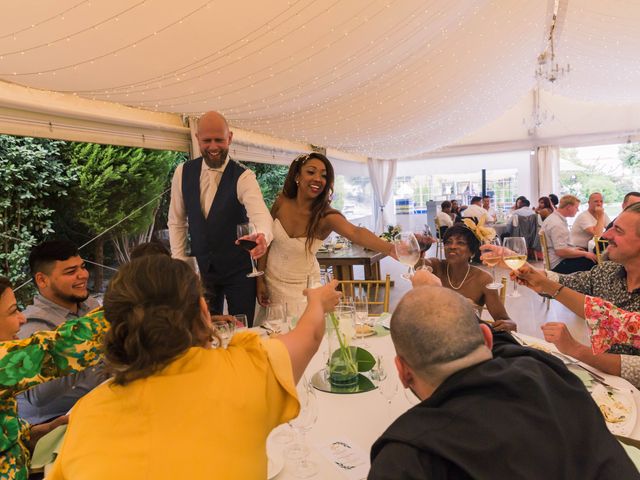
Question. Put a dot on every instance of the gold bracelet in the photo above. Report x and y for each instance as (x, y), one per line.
(557, 292)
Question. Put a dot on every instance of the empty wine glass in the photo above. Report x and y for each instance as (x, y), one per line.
(384, 375)
(407, 251)
(492, 258)
(276, 317)
(294, 311)
(515, 256)
(305, 420)
(247, 233)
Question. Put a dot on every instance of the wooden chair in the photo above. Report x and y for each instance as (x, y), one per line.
(601, 246)
(439, 245)
(547, 261)
(376, 291)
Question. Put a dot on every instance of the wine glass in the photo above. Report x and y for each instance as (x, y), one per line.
(276, 317)
(386, 381)
(305, 420)
(247, 233)
(491, 259)
(362, 316)
(294, 311)
(515, 256)
(407, 251)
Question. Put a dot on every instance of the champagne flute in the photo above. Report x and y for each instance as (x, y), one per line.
(515, 256)
(491, 259)
(407, 251)
(246, 233)
(362, 316)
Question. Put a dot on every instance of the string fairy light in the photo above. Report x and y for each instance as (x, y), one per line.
(33, 26)
(67, 38)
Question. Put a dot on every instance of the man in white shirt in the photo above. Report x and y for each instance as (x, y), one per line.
(589, 223)
(564, 257)
(443, 217)
(475, 210)
(210, 196)
(492, 215)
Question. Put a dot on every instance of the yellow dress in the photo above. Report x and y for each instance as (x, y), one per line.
(205, 416)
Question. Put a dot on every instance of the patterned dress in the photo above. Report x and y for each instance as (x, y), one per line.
(73, 346)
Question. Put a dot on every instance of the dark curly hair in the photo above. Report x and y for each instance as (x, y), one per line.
(321, 206)
(153, 305)
(461, 230)
(4, 284)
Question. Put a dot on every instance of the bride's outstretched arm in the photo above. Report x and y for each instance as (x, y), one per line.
(359, 235)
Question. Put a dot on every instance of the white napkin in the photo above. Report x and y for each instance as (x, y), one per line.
(348, 458)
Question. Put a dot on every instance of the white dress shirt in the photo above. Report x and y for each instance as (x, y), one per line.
(475, 211)
(249, 195)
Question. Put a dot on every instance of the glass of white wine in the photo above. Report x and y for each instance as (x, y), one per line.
(491, 259)
(515, 256)
(407, 251)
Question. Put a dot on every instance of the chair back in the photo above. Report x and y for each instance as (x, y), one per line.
(528, 228)
(601, 246)
(545, 250)
(503, 290)
(376, 291)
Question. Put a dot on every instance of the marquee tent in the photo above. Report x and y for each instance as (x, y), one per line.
(384, 79)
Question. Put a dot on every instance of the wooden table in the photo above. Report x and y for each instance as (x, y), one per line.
(343, 261)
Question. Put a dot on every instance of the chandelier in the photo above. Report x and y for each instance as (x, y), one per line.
(548, 69)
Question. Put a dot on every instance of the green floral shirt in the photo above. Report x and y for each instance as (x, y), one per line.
(73, 346)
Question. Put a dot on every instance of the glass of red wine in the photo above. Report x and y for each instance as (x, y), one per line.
(247, 239)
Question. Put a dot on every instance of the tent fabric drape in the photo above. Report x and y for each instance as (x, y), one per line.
(382, 174)
(548, 170)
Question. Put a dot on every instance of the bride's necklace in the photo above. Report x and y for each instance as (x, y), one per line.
(463, 280)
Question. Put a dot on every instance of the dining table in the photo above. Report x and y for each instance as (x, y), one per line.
(344, 258)
(356, 420)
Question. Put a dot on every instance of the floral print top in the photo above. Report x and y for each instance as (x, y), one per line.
(73, 346)
(610, 325)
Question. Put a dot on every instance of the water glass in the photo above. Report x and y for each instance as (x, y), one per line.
(223, 330)
(241, 321)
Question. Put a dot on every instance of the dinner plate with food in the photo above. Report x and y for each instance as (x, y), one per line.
(618, 409)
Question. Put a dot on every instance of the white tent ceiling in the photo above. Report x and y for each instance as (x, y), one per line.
(385, 79)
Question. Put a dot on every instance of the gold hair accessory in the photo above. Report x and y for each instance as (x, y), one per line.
(482, 233)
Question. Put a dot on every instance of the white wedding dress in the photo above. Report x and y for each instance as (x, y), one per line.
(288, 265)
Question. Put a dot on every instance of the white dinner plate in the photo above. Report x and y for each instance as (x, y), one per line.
(275, 466)
(618, 409)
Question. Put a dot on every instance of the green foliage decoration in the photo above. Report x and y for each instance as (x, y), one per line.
(33, 180)
(270, 178)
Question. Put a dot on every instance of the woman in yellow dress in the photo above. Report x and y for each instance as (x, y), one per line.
(177, 408)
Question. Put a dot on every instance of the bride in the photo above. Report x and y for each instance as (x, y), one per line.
(303, 218)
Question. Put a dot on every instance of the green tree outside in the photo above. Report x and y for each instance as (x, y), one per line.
(114, 183)
(33, 179)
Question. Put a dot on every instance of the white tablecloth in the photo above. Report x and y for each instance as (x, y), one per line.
(361, 418)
